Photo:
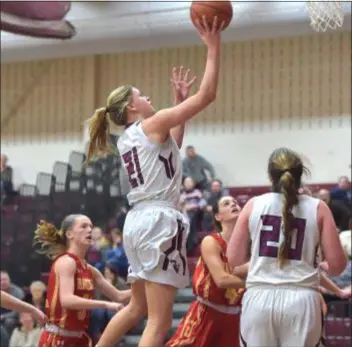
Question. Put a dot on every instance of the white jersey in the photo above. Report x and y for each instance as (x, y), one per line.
(265, 226)
(154, 170)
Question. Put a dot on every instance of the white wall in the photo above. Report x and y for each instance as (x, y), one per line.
(238, 154)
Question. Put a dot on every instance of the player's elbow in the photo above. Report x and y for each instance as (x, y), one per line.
(208, 96)
(66, 301)
(222, 281)
(337, 266)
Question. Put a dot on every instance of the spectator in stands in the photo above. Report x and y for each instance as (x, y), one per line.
(6, 177)
(343, 191)
(192, 204)
(196, 166)
(9, 318)
(37, 295)
(101, 317)
(99, 243)
(339, 210)
(216, 192)
(27, 335)
(115, 254)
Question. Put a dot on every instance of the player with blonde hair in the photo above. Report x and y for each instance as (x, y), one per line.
(155, 232)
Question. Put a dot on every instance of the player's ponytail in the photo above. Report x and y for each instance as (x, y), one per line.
(285, 170)
(51, 241)
(99, 124)
(99, 130)
(290, 199)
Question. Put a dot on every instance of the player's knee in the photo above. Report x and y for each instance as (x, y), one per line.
(160, 324)
(137, 310)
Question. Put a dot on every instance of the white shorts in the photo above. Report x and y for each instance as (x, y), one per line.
(154, 238)
(281, 317)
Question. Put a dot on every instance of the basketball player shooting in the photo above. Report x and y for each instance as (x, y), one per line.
(283, 232)
(155, 232)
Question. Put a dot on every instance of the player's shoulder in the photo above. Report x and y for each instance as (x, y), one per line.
(65, 261)
(210, 241)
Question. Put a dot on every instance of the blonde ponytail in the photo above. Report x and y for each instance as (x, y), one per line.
(99, 143)
(290, 198)
(52, 242)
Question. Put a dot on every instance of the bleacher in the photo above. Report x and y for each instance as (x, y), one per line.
(72, 187)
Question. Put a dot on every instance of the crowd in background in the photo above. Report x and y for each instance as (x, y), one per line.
(201, 190)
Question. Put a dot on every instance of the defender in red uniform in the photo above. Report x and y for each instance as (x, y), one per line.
(213, 319)
(71, 283)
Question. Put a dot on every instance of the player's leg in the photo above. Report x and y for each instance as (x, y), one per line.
(302, 319)
(257, 322)
(228, 332)
(127, 318)
(160, 300)
(196, 328)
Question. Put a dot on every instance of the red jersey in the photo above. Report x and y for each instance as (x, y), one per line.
(204, 285)
(65, 318)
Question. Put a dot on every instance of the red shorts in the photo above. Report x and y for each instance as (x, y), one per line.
(53, 340)
(205, 327)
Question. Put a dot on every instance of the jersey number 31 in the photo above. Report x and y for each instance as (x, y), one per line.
(270, 237)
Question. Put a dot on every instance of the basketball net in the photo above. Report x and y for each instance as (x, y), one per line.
(325, 15)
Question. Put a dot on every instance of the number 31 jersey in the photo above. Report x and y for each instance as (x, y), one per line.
(154, 170)
(265, 227)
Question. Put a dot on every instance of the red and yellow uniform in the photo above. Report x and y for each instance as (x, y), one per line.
(67, 328)
(213, 319)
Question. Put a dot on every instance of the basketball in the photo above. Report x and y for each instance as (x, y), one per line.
(211, 9)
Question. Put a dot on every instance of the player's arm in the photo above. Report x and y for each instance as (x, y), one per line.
(211, 251)
(158, 126)
(239, 244)
(11, 303)
(330, 241)
(65, 268)
(107, 289)
(241, 271)
(181, 86)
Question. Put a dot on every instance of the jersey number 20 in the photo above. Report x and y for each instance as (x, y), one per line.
(134, 171)
(270, 237)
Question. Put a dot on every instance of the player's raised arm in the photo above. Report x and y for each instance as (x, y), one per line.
(159, 126)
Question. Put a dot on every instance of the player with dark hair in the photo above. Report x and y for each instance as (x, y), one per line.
(213, 319)
(281, 232)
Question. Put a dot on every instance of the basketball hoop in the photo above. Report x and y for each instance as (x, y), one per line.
(325, 15)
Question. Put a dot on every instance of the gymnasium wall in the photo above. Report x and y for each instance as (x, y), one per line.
(293, 92)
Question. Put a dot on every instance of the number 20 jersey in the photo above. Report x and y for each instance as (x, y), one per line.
(154, 170)
(265, 227)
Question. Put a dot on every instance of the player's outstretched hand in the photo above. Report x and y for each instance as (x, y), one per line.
(181, 83)
(210, 35)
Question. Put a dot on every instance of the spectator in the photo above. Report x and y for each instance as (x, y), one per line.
(192, 204)
(343, 191)
(6, 177)
(195, 166)
(115, 254)
(9, 318)
(212, 197)
(339, 210)
(99, 243)
(37, 295)
(27, 335)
